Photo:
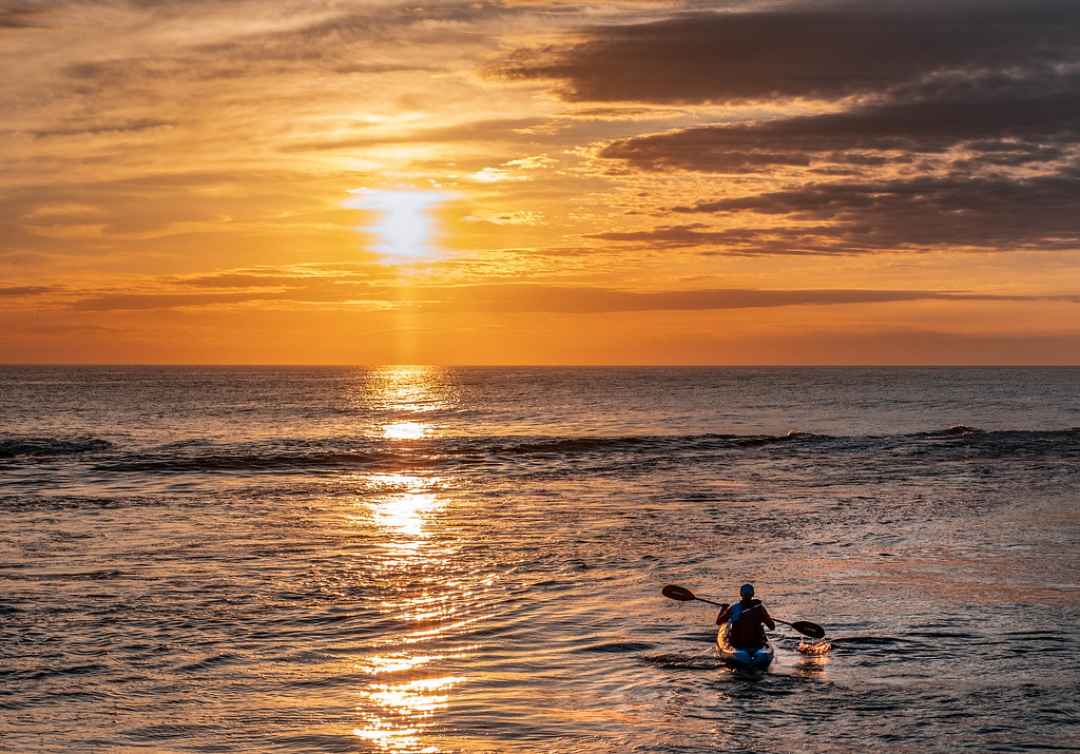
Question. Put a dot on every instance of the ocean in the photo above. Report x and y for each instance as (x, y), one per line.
(421, 559)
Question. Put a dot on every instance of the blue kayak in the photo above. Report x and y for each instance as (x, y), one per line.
(742, 659)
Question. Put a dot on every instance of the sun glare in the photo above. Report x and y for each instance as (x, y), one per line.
(404, 227)
(405, 431)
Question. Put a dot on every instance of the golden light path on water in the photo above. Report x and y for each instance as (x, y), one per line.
(395, 712)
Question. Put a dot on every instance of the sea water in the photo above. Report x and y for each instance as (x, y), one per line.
(418, 559)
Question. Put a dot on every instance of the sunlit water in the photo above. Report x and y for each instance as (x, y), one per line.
(414, 559)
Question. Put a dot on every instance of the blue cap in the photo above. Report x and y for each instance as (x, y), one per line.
(746, 591)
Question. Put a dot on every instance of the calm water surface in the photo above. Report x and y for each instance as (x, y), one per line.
(414, 559)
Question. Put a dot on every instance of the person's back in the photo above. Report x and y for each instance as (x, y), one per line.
(747, 618)
(746, 624)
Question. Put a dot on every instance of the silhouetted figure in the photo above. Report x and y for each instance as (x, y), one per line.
(747, 618)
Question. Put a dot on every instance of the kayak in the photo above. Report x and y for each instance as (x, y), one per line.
(742, 659)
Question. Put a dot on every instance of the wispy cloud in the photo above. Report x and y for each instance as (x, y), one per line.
(25, 290)
(99, 129)
(507, 298)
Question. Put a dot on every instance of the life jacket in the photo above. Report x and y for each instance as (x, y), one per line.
(745, 622)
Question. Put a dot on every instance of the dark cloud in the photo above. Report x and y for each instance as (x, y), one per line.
(975, 105)
(380, 68)
(1040, 212)
(1011, 131)
(20, 16)
(822, 50)
(618, 113)
(26, 290)
(97, 129)
(741, 241)
(244, 280)
(674, 236)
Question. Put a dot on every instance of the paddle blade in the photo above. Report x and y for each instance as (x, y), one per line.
(673, 592)
(806, 628)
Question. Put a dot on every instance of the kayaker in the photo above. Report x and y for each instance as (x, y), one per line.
(747, 617)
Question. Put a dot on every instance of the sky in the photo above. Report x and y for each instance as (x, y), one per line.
(516, 182)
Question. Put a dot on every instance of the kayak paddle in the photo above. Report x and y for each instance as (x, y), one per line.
(804, 627)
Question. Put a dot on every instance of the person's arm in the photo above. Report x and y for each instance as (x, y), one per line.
(767, 619)
(723, 616)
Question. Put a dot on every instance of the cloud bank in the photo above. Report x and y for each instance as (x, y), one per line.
(949, 124)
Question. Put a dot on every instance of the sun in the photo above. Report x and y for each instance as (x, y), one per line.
(405, 227)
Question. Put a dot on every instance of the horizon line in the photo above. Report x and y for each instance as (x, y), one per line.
(523, 365)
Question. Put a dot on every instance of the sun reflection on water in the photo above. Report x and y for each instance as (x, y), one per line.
(395, 663)
(415, 697)
(392, 737)
(404, 513)
(400, 513)
(405, 706)
(411, 389)
(399, 508)
(405, 430)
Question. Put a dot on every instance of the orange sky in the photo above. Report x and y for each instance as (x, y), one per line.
(522, 182)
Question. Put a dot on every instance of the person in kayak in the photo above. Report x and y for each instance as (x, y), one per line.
(747, 617)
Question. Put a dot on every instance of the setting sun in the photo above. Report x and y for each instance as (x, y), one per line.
(404, 228)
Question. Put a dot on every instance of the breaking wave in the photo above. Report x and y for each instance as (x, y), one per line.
(291, 454)
(14, 447)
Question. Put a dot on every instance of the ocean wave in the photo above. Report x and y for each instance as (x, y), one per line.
(959, 430)
(254, 460)
(13, 447)
(294, 454)
(287, 454)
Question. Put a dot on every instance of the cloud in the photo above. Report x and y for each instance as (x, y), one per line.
(497, 129)
(1040, 212)
(1011, 130)
(111, 215)
(512, 298)
(915, 346)
(955, 125)
(19, 17)
(26, 290)
(742, 240)
(244, 280)
(252, 289)
(97, 129)
(560, 299)
(147, 301)
(371, 69)
(817, 50)
(342, 39)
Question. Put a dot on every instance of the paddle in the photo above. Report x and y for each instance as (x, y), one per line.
(804, 627)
